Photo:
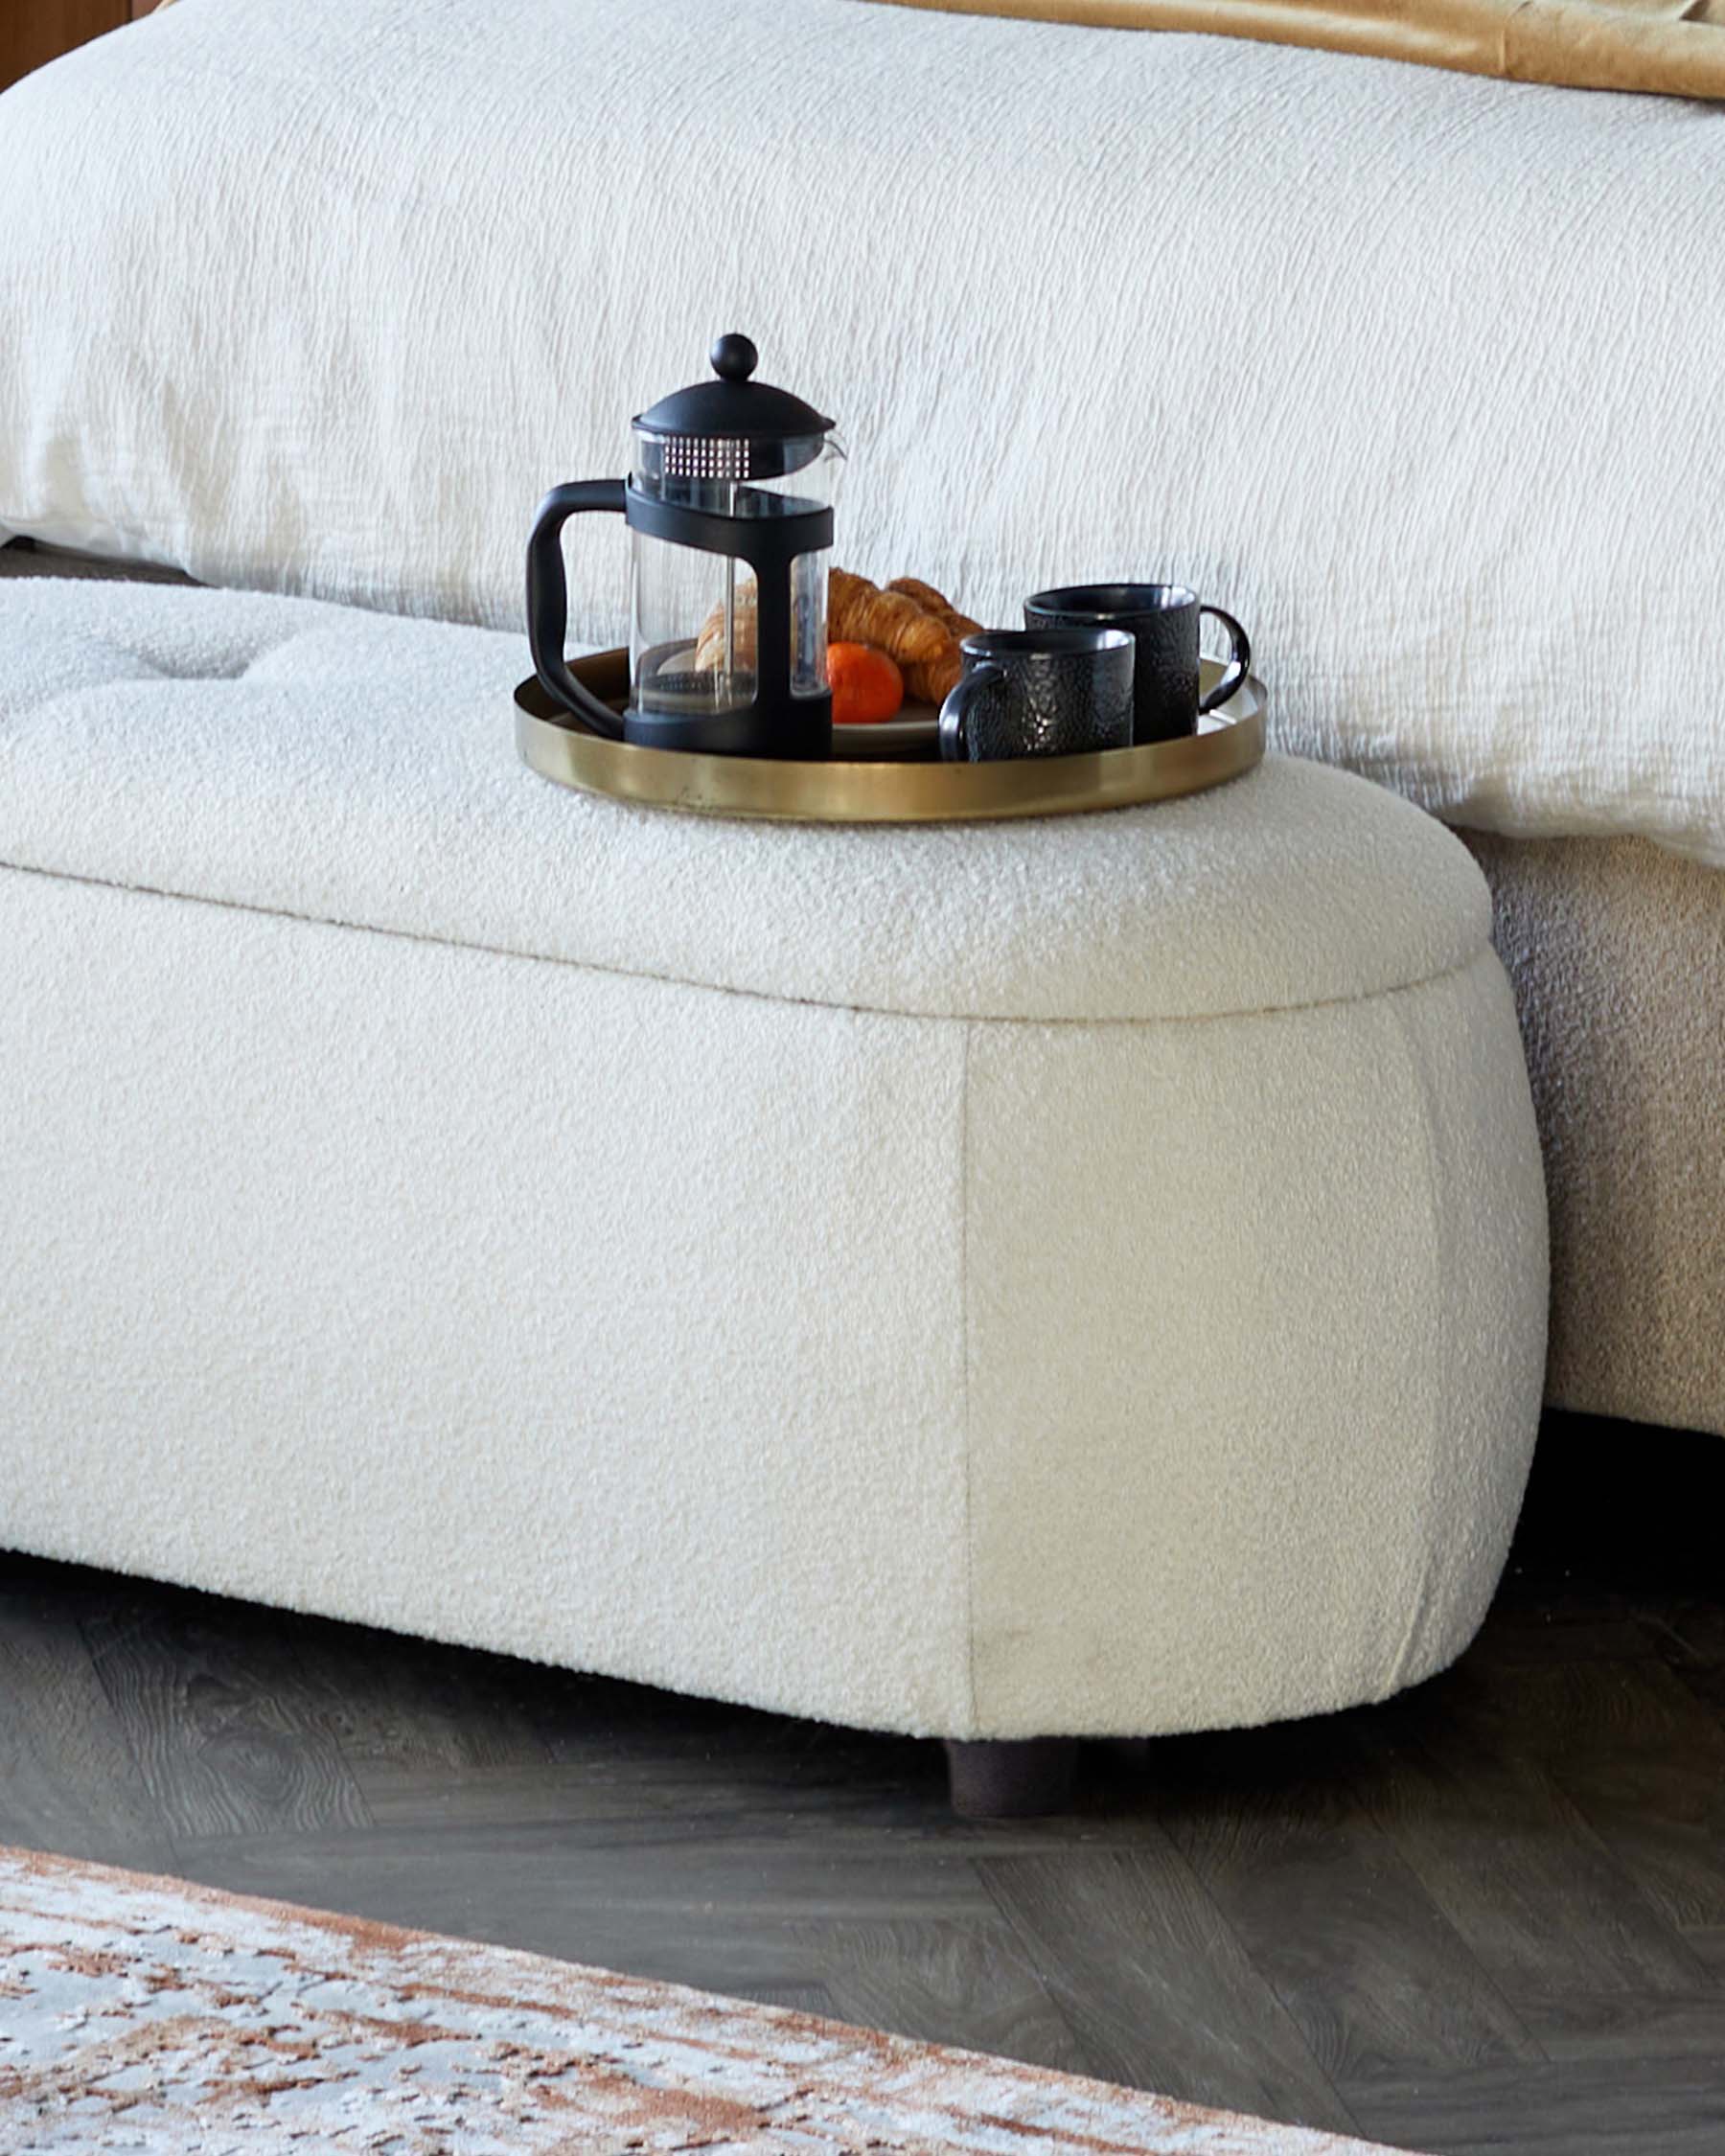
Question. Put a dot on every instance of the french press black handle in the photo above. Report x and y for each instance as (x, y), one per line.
(548, 598)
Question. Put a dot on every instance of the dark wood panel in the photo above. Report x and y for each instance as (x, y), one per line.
(68, 1780)
(1686, 1631)
(1573, 2025)
(410, 1709)
(1274, 1825)
(795, 1998)
(1157, 1988)
(963, 1980)
(223, 1723)
(34, 32)
(1640, 1757)
(1508, 1858)
(1605, 2107)
(732, 1915)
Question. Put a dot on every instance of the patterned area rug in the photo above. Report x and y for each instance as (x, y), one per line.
(146, 2015)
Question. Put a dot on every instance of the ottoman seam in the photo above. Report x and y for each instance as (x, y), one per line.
(964, 1372)
(1434, 1197)
(726, 988)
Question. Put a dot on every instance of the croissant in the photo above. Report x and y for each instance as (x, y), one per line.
(709, 648)
(925, 650)
(858, 612)
(932, 601)
(861, 612)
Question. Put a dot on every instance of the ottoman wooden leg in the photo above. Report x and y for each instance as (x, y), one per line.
(1011, 1777)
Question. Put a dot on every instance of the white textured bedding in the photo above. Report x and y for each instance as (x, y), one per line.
(1413, 371)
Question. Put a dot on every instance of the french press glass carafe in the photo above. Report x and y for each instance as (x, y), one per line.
(731, 511)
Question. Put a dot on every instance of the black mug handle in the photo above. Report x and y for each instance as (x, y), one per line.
(964, 692)
(1239, 660)
(548, 598)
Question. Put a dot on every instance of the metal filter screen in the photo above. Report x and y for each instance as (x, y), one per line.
(711, 457)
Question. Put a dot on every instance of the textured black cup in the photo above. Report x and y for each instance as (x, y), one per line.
(1039, 692)
(1162, 619)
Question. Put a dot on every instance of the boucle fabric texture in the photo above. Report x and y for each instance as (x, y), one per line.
(1127, 1346)
(321, 295)
(161, 2019)
(356, 767)
(1616, 950)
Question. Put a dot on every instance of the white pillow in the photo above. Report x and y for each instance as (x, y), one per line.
(1409, 369)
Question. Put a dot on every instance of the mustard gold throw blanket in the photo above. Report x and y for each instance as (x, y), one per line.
(1675, 47)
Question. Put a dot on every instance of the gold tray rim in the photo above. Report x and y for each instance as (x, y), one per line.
(559, 747)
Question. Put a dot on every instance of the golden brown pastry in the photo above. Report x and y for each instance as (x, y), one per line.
(934, 680)
(860, 612)
(932, 602)
(709, 651)
(927, 652)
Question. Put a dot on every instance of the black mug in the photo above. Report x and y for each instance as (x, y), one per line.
(1162, 619)
(1039, 692)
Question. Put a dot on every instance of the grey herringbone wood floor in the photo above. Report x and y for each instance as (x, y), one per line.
(1488, 1915)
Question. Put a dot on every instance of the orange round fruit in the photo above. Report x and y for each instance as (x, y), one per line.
(867, 687)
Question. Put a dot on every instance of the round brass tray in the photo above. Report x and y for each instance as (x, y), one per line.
(898, 788)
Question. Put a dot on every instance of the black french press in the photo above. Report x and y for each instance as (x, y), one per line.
(730, 505)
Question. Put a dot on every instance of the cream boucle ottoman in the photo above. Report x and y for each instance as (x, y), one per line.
(1026, 1281)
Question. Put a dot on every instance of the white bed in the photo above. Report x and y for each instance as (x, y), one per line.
(1411, 370)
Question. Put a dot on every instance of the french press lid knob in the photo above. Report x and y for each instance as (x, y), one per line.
(733, 356)
(733, 408)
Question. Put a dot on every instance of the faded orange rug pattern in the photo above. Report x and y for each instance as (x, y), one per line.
(146, 2015)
